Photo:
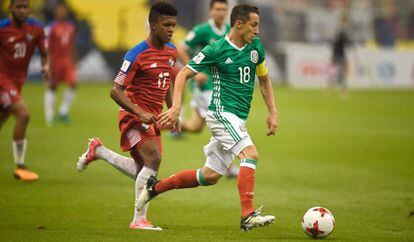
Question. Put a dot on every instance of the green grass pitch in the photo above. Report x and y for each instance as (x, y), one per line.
(354, 156)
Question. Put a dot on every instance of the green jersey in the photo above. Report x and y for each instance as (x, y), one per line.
(233, 70)
(199, 37)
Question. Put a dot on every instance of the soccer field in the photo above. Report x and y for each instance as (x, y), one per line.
(354, 156)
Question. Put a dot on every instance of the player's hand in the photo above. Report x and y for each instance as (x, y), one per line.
(177, 127)
(45, 72)
(147, 118)
(271, 124)
(169, 118)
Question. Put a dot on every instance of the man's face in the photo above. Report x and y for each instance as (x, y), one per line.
(218, 12)
(250, 29)
(61, 12)
(19, 10)
(164, 28)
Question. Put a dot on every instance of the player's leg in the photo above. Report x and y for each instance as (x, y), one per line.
(69, 94)
(19, 111)
(250, 218)
(217, 162)
(195, 124)
(49, 101)
(149, 151)
(96, 150)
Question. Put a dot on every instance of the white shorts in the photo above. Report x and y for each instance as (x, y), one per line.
(200, 101)
(229, 138)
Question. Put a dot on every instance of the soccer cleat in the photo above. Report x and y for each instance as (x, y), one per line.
(255, 220)
(24, 174)
(147, 193)
(144, 225)
(64, 118)
(89, 155)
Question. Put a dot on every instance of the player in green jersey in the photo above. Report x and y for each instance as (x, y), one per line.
(234, 61)
(199, 37)
(202, 84)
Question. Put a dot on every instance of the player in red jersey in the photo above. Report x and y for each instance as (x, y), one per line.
(19, 36)
(142, 85)
(61, 46)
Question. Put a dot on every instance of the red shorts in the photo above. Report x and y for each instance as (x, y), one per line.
(9, 94)
(63, 71)
(133, 132)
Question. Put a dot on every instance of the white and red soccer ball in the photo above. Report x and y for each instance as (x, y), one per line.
(318, 222)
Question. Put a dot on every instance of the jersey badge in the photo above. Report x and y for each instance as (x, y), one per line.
(153, 65)
(171, 62)
(29, 37)
(11, 39)
(254, 56)
(198, 58)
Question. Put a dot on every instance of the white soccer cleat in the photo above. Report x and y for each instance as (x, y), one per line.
(255, 220)
(147, 193)
(89, 155)
(144, 224)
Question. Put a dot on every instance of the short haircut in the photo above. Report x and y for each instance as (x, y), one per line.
(13, 1)
(212, 2)
(242, 12)
(161, 8)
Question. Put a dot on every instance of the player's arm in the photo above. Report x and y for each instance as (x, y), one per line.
(266, 89)
(170, 117)
(118, 95)
(44, 60)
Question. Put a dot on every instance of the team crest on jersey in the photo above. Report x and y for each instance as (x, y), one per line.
(29, 37)
(171, 62)
(11, 39)
(254, 56)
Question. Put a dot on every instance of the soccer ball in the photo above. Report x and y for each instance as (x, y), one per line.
(318, 222)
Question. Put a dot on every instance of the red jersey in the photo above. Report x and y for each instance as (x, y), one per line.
(147, 74)
(17, 45)
(61, 41)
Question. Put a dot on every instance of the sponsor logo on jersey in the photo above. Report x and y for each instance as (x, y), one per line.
(29, 37)
(153, 65)
(198, 58)
(11, 39)
(254, 56)
(228, 61)
(171, 62)
(125, 65)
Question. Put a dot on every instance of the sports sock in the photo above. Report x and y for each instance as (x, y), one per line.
(183, 179)
(68, 97)
(124, 164)
(19, 151)
(49, 99)
(139, 185)
(245, 185)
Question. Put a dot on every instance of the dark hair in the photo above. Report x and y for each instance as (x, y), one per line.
(161, 8)
(212, 2)
(242, 12)
(13, 1)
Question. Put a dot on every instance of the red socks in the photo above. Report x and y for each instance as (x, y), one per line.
(183, 179)
(246, 185)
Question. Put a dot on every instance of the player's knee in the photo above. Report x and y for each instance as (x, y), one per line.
(211, 178)
(249, 152)
(23, 116)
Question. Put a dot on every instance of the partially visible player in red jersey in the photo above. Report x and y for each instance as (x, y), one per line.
(19, 36)
(142, 85)
(61, 45)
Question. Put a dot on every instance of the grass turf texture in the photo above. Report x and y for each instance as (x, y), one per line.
(353, 156)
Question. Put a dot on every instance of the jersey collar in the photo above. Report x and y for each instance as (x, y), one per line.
(233, 45)
(216, 30)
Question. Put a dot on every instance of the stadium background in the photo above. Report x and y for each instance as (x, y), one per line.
(353, 155)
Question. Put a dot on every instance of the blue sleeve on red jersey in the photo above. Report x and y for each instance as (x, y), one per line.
(169, 44)
(4, 23)
(32, 21)
(132, 54)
